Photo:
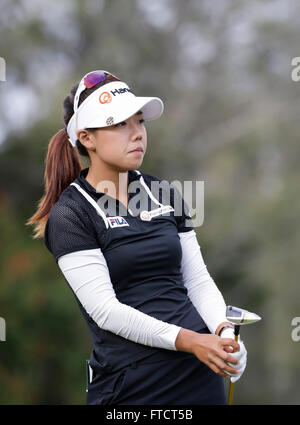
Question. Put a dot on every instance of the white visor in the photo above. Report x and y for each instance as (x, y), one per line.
(109, 105)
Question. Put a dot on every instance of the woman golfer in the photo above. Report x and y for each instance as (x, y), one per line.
(126, 246)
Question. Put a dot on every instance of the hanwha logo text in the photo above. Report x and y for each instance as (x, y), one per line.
(105, 97)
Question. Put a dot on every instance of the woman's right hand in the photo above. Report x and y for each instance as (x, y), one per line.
(209, 349)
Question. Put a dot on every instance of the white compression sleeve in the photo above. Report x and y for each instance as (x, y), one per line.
(88, 275)
(202, 290)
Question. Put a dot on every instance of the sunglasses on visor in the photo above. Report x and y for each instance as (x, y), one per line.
(89, 81)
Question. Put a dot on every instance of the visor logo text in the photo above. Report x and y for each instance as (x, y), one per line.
(105, 97)
(120, 91)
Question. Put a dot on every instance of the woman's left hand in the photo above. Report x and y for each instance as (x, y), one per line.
(240, 355)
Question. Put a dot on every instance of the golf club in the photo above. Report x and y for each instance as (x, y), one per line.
(237, 316)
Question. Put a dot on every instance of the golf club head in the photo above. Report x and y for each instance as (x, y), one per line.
(238, 316)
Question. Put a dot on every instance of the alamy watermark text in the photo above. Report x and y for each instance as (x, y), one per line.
(2, 329)
(295, 334)
(2, 69)
(183, 201)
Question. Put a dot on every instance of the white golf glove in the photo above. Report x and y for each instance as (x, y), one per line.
(240, 355)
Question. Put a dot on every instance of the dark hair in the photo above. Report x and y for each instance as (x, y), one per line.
(62, 163)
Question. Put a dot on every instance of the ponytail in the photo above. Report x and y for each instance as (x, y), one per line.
(62, 162)
(62, 167)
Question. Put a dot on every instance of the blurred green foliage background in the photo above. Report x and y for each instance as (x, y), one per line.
(231, 119)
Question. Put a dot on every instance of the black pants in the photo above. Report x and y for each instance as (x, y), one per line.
(176, 380)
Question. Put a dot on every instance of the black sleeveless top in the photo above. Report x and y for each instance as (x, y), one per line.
(143, 257)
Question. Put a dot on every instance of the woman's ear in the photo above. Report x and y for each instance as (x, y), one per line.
(86, 139)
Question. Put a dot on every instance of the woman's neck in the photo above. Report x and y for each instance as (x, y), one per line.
(111, 182)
